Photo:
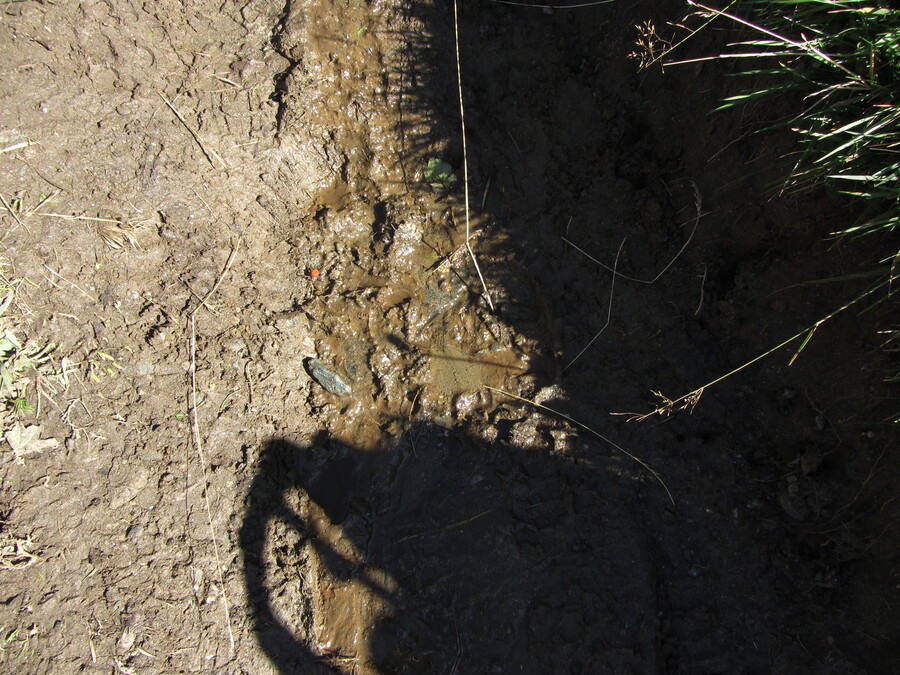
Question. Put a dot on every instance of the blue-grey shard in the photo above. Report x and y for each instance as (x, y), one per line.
(329, 380)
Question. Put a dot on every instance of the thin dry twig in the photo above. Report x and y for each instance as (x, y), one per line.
(589, 430)
(612, 286)
(17, 146)
(218, 283)
(209, 153)
(458, 641)
(195, 424)
(462, 115)
(702, 290)
(71, 283)
(35, 210)
(578, 6)
(199, 298)
(65, 216)
(40, 175)
(689, 400)
(460, 523)
(697, 205)
(199, 445)
(203, 201)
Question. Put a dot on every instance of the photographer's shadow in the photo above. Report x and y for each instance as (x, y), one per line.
(446, 553)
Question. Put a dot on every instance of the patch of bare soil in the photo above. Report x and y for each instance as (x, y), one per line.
(262, 416)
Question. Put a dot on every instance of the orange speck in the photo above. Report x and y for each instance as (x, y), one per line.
(314, 273)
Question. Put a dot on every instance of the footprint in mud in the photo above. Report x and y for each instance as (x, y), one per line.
(447, 554)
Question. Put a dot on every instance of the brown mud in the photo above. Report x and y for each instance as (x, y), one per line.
(204, 504)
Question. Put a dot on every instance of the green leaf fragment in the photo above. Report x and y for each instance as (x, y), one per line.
(439, 173)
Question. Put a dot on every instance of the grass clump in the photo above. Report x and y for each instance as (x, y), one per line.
(837, 65)
(21, 361)
(841, 61)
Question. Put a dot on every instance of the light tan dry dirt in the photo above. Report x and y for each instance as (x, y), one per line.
(172, 173)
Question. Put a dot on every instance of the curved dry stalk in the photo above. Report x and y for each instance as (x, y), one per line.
(198, 444)
(591, 431)
(195, 425)
(689, 400)
(578, 6)
(612, 287)
(697, 206)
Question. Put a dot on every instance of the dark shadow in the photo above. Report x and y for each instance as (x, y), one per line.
(510, 544)
(448, 553)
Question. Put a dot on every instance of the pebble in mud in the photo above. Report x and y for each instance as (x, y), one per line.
(330, 381)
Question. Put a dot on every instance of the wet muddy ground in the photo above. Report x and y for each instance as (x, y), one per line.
(251, 467)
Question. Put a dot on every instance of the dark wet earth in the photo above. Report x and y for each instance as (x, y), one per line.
(478, 533)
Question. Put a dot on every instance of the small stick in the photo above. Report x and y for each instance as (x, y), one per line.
(462, 115)
(589, 430)
(702, 287)
(210, 153)
(612, 287)
(219, 280)
(199, 446)
(86, 294)
(17, 146)
(665, 269)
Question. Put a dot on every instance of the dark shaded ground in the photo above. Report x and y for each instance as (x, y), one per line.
(425, 523)
(544, 569)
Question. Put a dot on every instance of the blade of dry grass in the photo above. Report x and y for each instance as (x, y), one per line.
(209, 153)
(697, 205)
(462, 115)
(590, 431)
(218, 283)
(578, 6)
(199, 445)
(690, 399)
(17, 146)
(612, 287)
(71, 283)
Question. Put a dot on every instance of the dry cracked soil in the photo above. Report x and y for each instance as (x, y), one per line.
(275, 420)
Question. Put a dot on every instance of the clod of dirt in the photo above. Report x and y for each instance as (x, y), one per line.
(26, 440)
